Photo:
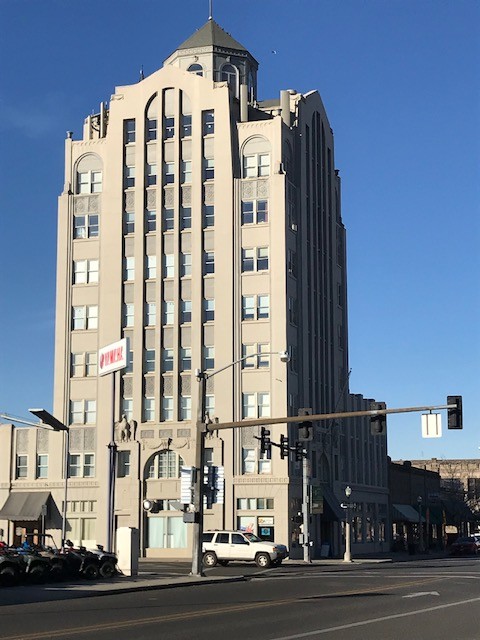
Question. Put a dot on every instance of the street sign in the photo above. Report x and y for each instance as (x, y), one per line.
(431, 425)
(112, 357)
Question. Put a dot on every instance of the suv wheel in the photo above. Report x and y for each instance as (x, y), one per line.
(263, 560)
(90, 571)
(107, 569)
(209, 559)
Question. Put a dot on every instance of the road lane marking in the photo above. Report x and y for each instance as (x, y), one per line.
(421, 593)
(110, 626)
(363, 623)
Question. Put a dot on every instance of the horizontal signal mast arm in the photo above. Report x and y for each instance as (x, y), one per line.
(320, 416)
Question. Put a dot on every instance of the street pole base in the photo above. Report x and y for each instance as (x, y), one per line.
(347, 558)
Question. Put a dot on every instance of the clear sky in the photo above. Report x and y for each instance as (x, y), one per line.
(400, 83)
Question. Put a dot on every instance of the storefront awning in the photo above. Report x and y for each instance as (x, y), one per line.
(24, 505)
(332, 511)
(405, 513)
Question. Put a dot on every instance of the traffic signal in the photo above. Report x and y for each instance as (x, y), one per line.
(298, 450)
(305, 429)
(455, 416)
(265, 442)
(298, 518)
(378, 424)
(284, 447)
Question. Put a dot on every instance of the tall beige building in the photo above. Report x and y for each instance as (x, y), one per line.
(203, 225)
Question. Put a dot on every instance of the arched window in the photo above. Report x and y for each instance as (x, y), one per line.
(196, 68)
(229, 74)
(151, 121)
(256, 157)
(165, 464)
(89, 174)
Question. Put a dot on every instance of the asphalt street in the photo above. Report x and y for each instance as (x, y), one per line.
(436, 599)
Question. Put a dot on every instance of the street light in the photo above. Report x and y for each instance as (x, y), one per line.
(347, 557)
(56, 425)
(197, 471)
(420, 526)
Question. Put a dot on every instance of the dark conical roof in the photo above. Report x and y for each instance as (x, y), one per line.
(211, 34)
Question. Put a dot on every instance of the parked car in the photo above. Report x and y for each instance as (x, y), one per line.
(224, 546)
(108, 561)
(465, 546)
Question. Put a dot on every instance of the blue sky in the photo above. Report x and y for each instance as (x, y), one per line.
(400, 82)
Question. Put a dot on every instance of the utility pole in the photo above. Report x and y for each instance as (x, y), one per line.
(306, 507)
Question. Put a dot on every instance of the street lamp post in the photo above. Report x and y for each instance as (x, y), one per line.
(347, 556)
(197, 471)
(420, 526)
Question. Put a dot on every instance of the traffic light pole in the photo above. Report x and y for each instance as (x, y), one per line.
(306, 508)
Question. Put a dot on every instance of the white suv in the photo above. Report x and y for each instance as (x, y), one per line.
(224, 546)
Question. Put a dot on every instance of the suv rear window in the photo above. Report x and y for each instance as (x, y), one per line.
(207, 537)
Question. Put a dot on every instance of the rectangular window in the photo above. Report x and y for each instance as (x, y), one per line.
(128, 222)
(262, 211)
(262, 259)
(264, 165)
(167, 360)
(185, 408)
(168, 219)
(79, 272)
(257, 165)
(77, 365)
(123, 464)
(247, 212)
(168, 265)
(21, 466)
(248, 260)
(97, 180)
(208, 216)
(263, 405)
(129, 268)
(248, 307)
(208, 310)
(151, 129)
(90, 411)
(150, 220)
(186, 264)
(255, 307)
(185, 358)
(84, 318)
(185, 311)
(83, 182)
(74, 465)
(248, 405)
(249, 460)
(150, 314)
(258, 355)
(168, 127)
(167, 408)
(42, 466)
(88, 465)
(256, 405)
(210, 405)
(208, 262)
(85, 226)
(168, 312)
(149, 360)
(208, 118)
(129, 131)
(128, 313)
(151, 267)
(151, 175)
(169, 172)
(127, 408)
(248, 353)
(186, 172)
(91, 363)
(186, 126)
(149, 409)
(185, 218)
(263, 307)
(83, 411)
(208, 169)
(208, 357)
(129, 177)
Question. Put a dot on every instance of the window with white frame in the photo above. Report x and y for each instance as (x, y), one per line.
(85, 271)
(129, 268)
(81, 465)
(256, 165)
(169, 172)
(186, 125)
(151, 267)
(185, 407)
(129, 367)
(249, 460)
(208, 262)
(210, 405)
(256, 405)
(83, 364)
(21, 466)
(151, 129)
(148, 409)
(128, 314)
(185, 358)
(167, 360)
(208, 357)
(42, 465)
(85, 318)
(128, 222)
(255, 504)
(129, 131)
(168, 219)
(89, 182)
(150, 314)
(228, 74)
(91, 358)
(254, 211)
(264, 463)
(129, 177)
(167, 408)
(168, 265)
(83, 411)
(186, 175)
(151, 174)
(256, 307)
(208, 310)
(185, 311)
(185, 218)
(127, 408)
(149, 360)
(208, 169)
(166, 464)
(123, 464)
(208, 122)
(168, 312)
(85, 226)
(256, 355)
(185, 264)
(168, 127)
(150, 220)
(208, 216)
(254, 260)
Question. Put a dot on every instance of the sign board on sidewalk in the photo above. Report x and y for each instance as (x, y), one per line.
(112, 357)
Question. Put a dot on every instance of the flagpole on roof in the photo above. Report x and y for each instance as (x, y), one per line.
(210, 4)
